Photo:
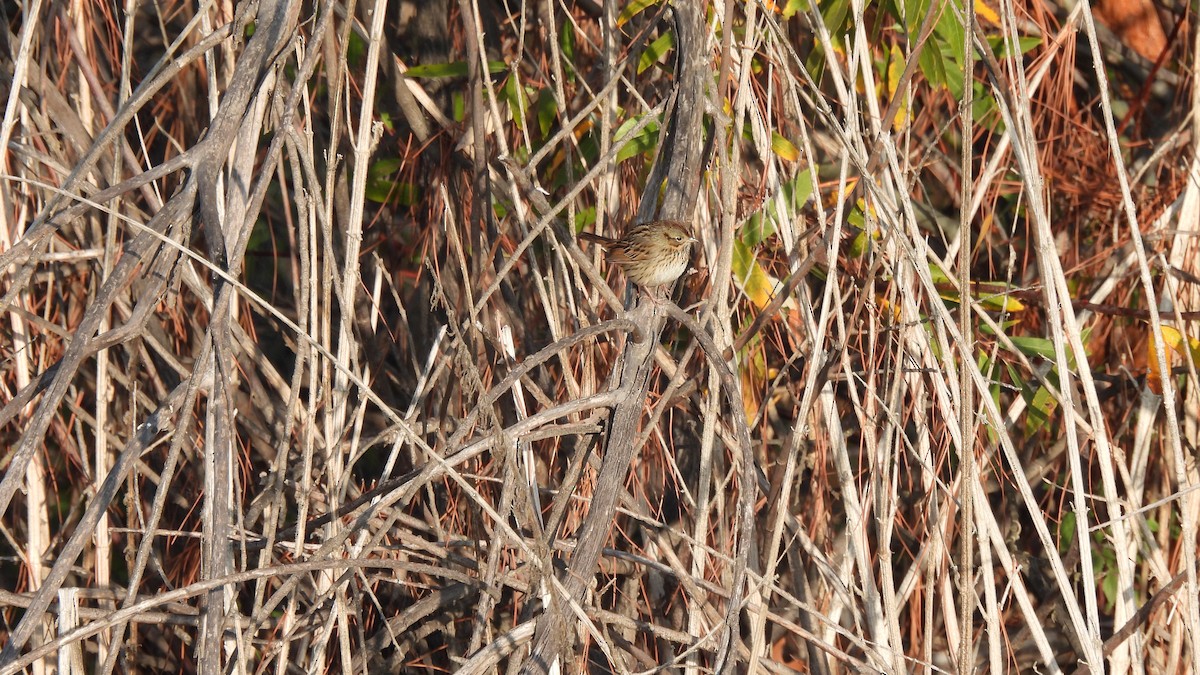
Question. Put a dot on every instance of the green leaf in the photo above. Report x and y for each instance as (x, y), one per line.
(645, 141)
(458, 106)
(1109, 586)
(951, 31)
(795, 194)
(743, 258)
(798, 190)
(932, 64)
(260, 236)
(546, 110)
(1034, 346)
(989, 368)
(396, 194)
(835, 13)
(982, 106)
(987, 330)
(1014, 376)
(816, 62)
(382, 188)
(584, 218)
(655, 51)
(356, 49)
(633, 9)
(384, 167)
(451, 69)
(859, 245)
(792, 6)
(1041, 407)
(856, 217)
(518, 101)
(948, 39)
(756, 230)
(1066, 531)
(992, 295)
(566, 43)
(987, 114)
(1025, 43)
(954, 78)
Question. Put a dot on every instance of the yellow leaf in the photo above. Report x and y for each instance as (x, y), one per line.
(1003, 303)
(985, 228)
(986, 13)
(749, 275)
(783, 147)
(1175, 340)
(753, 374)
(1171, 337)
(888, 308)
(995, 296)
(894, 72)
(1154, 375)
(633, 9)
(829, 199)
(758, 285)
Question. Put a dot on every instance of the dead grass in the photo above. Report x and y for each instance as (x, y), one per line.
(305, 372)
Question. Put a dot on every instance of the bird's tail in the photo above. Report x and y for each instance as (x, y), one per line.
(597, 239)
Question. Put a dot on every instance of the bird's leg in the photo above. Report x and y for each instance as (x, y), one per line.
(655, 296)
